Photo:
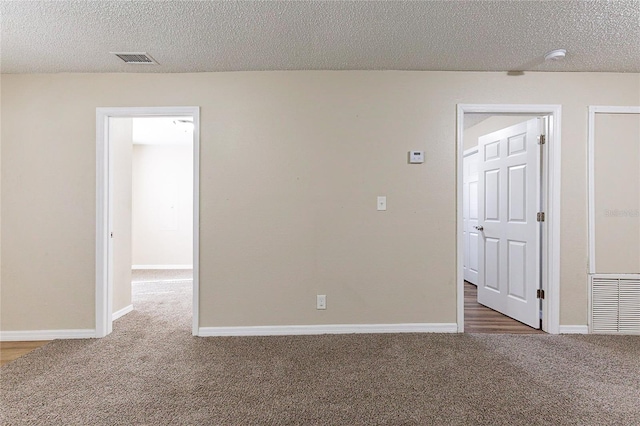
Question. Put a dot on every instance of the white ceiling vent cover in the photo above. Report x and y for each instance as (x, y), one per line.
(615, 304)
(137, 58)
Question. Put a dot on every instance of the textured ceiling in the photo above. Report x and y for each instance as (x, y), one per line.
(190, 36)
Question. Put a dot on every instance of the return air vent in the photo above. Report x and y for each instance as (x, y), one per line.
(137, 58)
(615, 304)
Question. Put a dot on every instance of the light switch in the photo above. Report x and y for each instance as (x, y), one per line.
(416, 157)
(382, 203)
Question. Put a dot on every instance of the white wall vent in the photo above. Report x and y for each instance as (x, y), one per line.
(615, 304)
(139, 58)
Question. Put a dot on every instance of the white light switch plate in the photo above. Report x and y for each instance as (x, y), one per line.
(382, 203)
(416, 157)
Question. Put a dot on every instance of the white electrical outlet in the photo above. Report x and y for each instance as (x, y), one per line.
(321, 301)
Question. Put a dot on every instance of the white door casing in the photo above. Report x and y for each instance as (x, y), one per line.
(104, 208)
(508, 202)
(551, 184)
(470, 214)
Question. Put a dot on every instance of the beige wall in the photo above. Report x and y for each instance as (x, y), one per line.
(617, 193)
(162, 205)
(291, 164)
(490, 125)
(120, 137)
(1, 328)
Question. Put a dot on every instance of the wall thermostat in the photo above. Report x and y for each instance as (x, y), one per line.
(416, 157)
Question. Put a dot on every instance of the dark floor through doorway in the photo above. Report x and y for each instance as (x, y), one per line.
(480, 319)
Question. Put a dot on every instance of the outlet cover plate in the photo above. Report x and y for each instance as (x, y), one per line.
(321, 301)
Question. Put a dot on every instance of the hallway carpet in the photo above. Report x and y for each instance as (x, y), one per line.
(145, 275)
(151, 371)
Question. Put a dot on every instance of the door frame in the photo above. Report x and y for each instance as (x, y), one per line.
(551, 186)
(104, 285)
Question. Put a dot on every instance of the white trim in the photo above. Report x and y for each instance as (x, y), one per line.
(614, 109)
(551, 244)
(591, 210)
(35, 335)
(136, 267)
(573, 329)
(593, 110)
(551, 304)
(195, 322)
(103, 310)
(460, 220)
(103, 301)
(122, 312)
(291, 330)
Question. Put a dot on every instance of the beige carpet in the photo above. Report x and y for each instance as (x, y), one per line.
(143, 275)
(151, 371)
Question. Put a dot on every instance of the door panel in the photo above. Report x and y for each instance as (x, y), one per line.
(517, 144)
(517, 256)
(473, 200)
(492, 150)
(492, 195)
(508, 194)
(517, 193)
(492, 264)
(473, 254)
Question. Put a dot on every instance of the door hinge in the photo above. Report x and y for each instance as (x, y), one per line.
(542, 139)
(111, 234)
(540, 217)
(540, 293)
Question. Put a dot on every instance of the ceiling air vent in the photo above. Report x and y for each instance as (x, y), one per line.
(138, 58)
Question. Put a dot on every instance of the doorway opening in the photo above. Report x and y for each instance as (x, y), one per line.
(147, 208)
(161, 210)
(508, 216)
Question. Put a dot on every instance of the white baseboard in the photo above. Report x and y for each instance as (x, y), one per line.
(122, 312)
(290, 330)
(33, 335)
(162, 267)
(573, 329)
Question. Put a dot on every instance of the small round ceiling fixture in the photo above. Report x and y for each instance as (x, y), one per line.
(555, 55)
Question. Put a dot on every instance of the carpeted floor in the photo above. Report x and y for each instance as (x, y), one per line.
(144, 275)
(151, 371)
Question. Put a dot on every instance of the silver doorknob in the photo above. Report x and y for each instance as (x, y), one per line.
(479, 228)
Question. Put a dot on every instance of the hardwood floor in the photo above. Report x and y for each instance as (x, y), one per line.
(13, 350)
(480, 319)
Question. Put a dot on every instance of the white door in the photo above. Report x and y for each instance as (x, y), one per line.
(470, 215)
(508, 200)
